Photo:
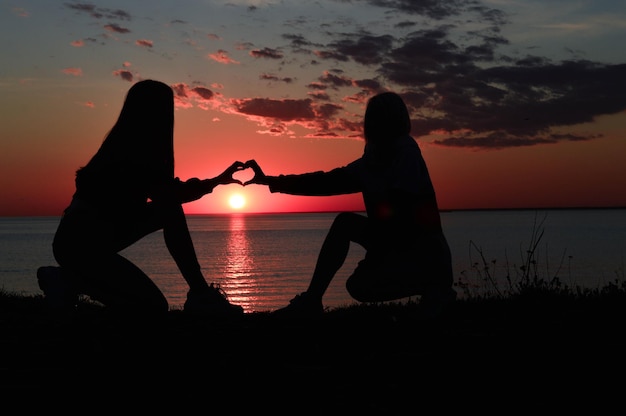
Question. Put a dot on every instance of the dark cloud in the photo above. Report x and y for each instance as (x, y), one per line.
(460, 86)
(515, 105)
(99, 12)
(299, 43)
(502, 140)
(335, 81)
(124, 74)
(333, 55)
(183, 91)
(449, 61)
(186, 96)
(266, 53)
(269, 77)
(405, 24)
(371, 85)
(326, 111)
(284, 110)
(365, 49)
(112, 27)
(204, 93)
(317, 86)
(435, 9)
(320, 95)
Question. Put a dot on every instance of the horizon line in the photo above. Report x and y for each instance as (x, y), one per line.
(338, 211)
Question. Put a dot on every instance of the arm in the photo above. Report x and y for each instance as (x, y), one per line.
(179, 244)
(171, 217)
(335, 182)
(195, 188)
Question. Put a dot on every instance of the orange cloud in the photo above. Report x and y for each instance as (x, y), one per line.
(186, 96)
(21, 12)
(222, 57)
(77, 72)
(144, 42)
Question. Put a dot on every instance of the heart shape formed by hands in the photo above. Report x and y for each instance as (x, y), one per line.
(243, 175)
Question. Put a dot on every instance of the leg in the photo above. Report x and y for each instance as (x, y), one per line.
(86, 248)
(119, 284)
(346, 227)
(424, 270)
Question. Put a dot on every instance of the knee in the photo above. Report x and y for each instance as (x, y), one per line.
(62, 254)
(357, 291)
(361, 285)
(344, 221)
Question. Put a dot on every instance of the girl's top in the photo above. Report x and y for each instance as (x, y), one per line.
(397, 191)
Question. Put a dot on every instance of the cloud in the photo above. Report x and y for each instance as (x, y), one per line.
(276, 115)
(20, 12)
(335, 81)
(203, 93)
(436, 9)
(99, 12)
(270, 77)
(266, 53)
(464, 83)
(299, 43)
(77, 72)
(365, 49)
(222, 57)
(187, 96)
(144, 43)
(112, 27)
(124, 74)
(503, 140)
(319, 95)
(512, 105)
(460, 86)
(286, 110)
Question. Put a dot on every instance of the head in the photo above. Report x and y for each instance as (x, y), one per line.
(148, 102)
(386, 118)
(144, 130)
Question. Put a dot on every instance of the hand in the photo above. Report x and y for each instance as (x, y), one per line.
(226, 177)
(259, 177)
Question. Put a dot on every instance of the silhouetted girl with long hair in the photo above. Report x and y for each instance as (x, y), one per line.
(406, 251)
(125, 192)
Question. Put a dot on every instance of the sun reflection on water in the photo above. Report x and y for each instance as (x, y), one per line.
(238, 271)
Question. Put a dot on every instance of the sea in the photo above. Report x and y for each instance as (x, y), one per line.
(262, 260)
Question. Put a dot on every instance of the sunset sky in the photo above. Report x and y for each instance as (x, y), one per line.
(515, 104)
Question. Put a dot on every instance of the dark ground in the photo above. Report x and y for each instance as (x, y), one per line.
(534, 354)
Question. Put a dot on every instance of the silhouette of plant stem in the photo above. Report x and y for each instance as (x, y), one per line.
(527, 276)
(484, 272)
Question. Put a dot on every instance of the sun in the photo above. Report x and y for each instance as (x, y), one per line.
(236, 201)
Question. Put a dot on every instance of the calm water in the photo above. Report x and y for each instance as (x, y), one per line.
(262, 261)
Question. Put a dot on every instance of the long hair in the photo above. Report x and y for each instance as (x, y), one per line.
(386, 118)
(143, 136)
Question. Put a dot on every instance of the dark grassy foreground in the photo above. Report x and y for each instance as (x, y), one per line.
(533, 351)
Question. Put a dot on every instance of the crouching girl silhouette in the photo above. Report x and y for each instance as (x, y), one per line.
(406, 251)
(125, 192)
